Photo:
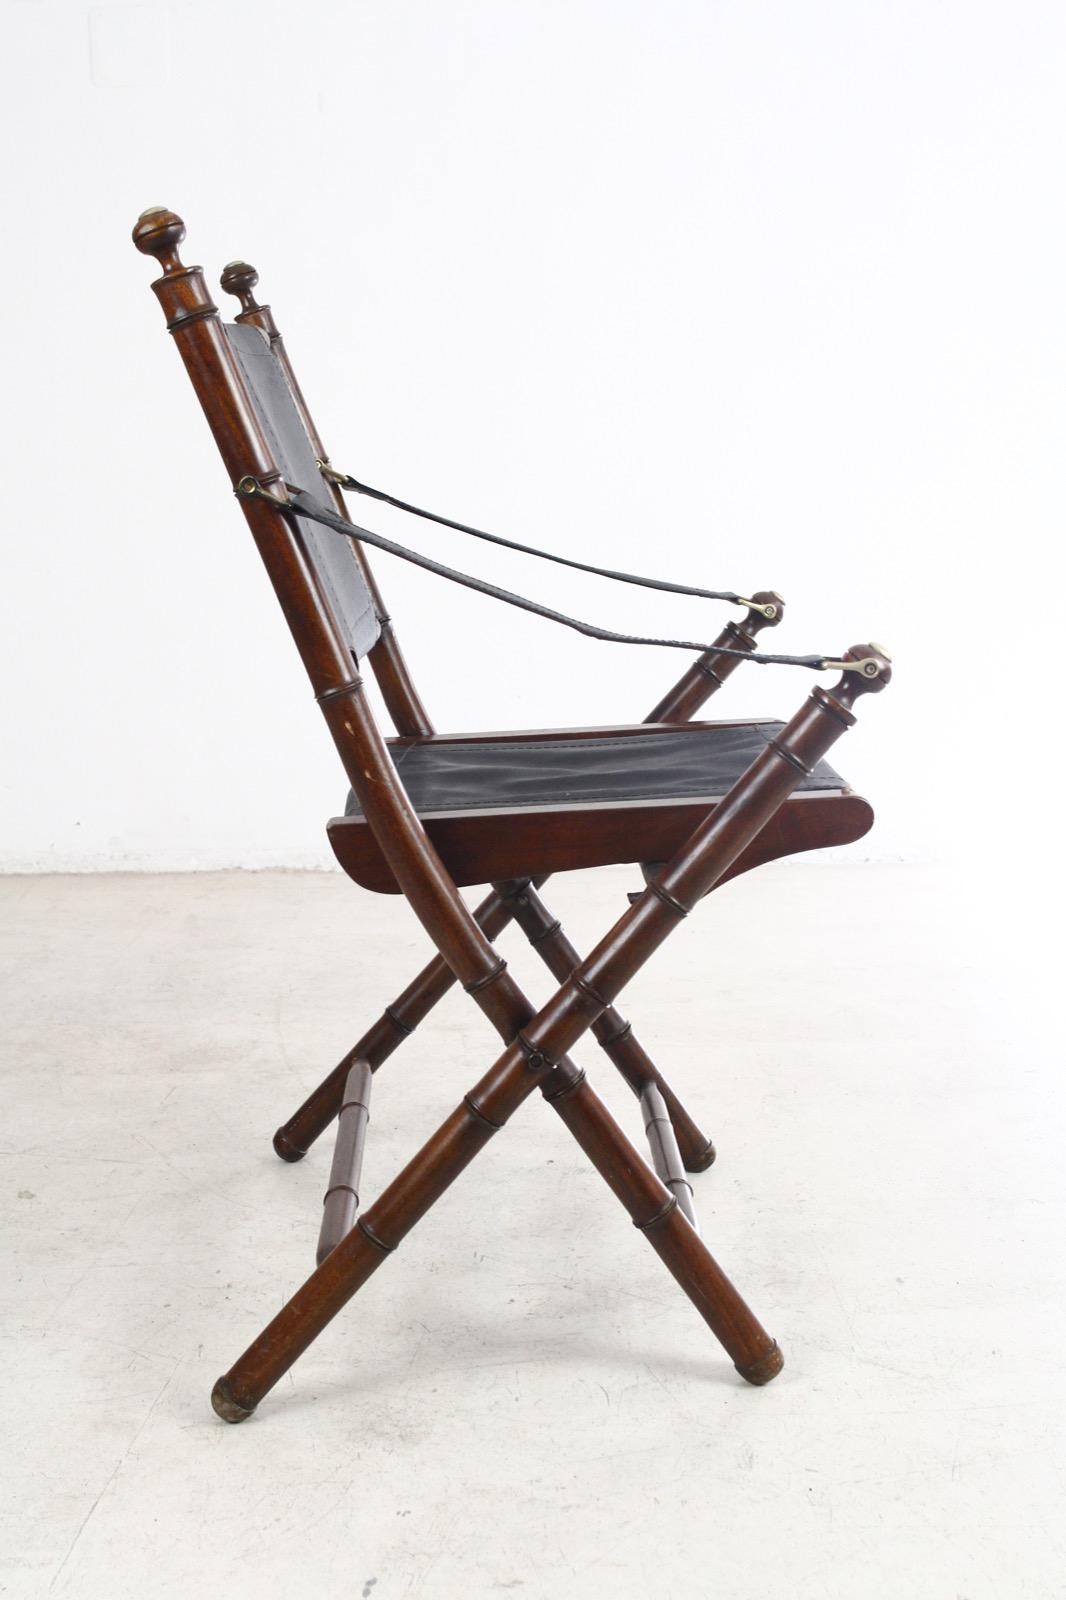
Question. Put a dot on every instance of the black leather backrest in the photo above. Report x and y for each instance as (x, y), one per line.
(330, 553)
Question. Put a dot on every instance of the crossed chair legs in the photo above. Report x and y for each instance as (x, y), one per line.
(520, 902)
(536, 1057)
(523, 1067)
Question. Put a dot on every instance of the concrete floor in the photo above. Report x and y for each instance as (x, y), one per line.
(522, 1401)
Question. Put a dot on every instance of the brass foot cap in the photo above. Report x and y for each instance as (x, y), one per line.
(702, 1160)
(764, 1367)
(225, 1405)
(285, 1148)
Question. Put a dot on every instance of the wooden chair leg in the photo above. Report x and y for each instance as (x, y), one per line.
(378, 1232)
(657, 1214)
(611, 1031)
(521, 902)
(397, 1022)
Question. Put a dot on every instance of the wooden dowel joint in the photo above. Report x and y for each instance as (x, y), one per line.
(787, 755)
(490, 977)
(828, 701)
(668, 900)
(535, 1058)
(368, 1233)
(475, 1110)
(659, 1218)
(584, 987)
(553, 1090)
(353, 686)
(400, 1026)
(340, 1188)
(515, 892)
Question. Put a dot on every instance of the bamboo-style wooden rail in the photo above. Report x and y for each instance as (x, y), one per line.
(341, 1204)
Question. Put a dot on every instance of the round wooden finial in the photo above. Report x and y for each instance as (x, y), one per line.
(239, 279)
(158, 232)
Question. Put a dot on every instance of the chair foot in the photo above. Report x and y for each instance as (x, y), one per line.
(225, 1405)
(764, 1368)
(658, 1215)
(701, 1160)
(285, 1148)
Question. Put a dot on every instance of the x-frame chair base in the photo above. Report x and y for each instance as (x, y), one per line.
(520, 901)
(378, 1232)
(536, 1056)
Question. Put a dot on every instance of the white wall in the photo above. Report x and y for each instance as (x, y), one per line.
(746, 293)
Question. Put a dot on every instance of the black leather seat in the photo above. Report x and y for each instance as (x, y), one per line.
(516, 805)
(515, 771)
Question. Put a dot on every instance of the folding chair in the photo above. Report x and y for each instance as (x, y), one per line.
(691, 803)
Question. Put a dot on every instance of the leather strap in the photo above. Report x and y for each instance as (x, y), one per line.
(302, 504)
(346, 481)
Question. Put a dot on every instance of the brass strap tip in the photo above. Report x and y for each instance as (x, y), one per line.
(252, 489)
(868, 667)
(330, 473)
(764, 608)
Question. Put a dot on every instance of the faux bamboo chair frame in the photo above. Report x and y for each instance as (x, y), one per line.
(535, 1042)
(519, 900)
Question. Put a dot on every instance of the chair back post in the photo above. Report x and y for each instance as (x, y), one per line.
(398, 691)
(193, 320)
